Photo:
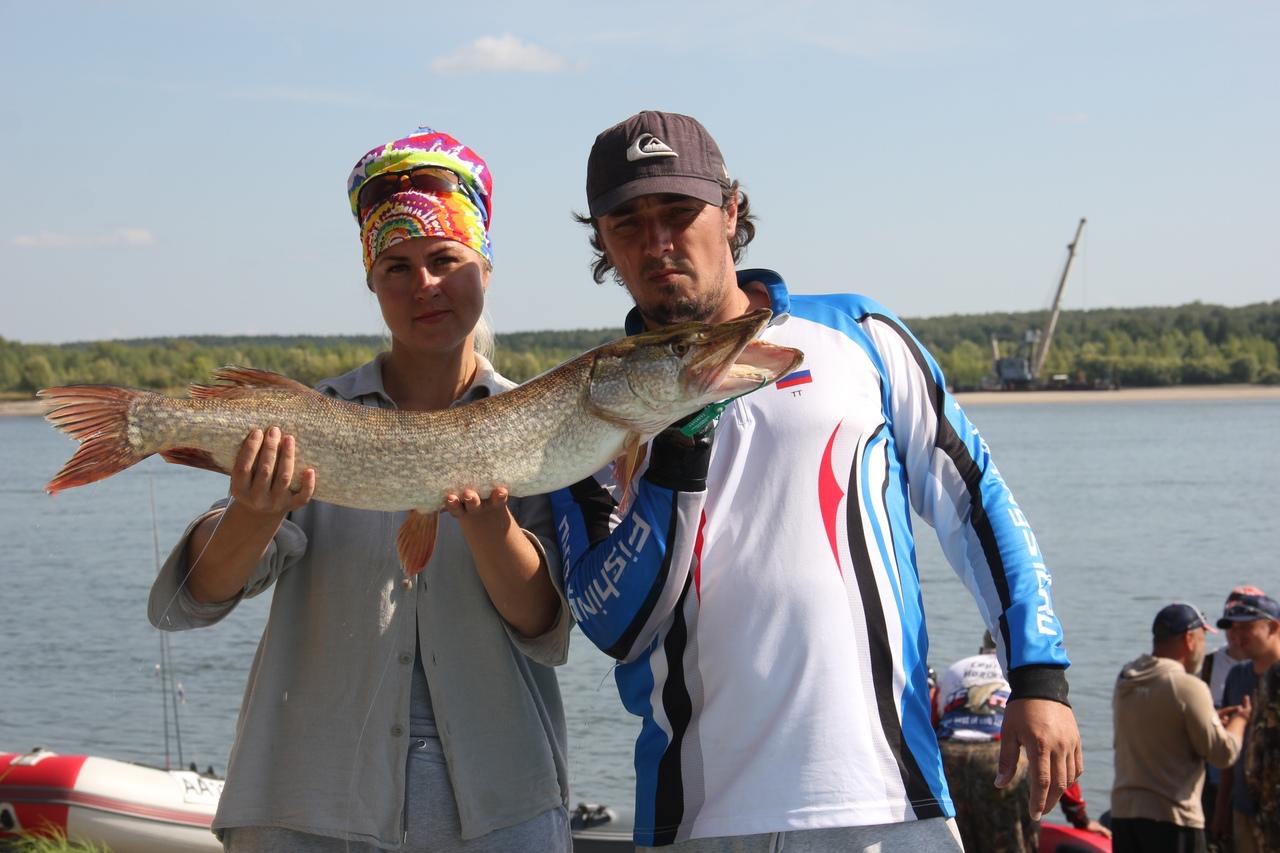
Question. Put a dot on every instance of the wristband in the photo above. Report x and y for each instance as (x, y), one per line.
(1039, 682)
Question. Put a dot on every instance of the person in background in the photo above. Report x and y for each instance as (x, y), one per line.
(1217, 664)
(760, 587)
(1165, 729)
(971, 697)
(1262, 760)
(1077, 811)
(1254, 620)
(419, 716)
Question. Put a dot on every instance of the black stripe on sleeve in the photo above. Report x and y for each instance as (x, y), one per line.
(919, 795)
(625, 640)
(949, 442)
(596, 505)
(668, 807)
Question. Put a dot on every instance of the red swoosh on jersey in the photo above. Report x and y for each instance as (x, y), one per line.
(697, 557)
(829, 496)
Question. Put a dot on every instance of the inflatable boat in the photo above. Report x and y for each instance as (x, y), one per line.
(126, 807)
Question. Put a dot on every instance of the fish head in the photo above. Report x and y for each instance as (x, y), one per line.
(648, 381)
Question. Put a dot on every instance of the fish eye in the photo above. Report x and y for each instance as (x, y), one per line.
(680, 348)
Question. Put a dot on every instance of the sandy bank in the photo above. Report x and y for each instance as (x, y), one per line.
(977, 398)
(1178, 393)
(21, 407)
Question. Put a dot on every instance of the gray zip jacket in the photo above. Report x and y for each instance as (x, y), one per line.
(323, 735)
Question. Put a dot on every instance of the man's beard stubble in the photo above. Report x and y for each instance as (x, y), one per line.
(677, 306)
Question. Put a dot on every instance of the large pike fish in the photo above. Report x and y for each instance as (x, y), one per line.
(544, 435)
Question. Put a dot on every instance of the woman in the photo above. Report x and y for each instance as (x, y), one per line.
(381, 712)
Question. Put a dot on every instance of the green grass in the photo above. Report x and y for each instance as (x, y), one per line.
(56, 844)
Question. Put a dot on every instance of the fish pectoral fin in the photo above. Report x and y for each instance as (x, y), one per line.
(193, 457)
(626, 466)
(234, 381)
(416, 540)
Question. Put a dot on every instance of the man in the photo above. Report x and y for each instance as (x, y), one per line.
(969, 709)
(760, 589)
(972, 695)
(1221, 661)
(1165, 730)
(1253, 623)
(1262, 761)
(1213, 672)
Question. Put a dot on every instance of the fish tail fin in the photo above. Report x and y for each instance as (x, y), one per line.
(416, 540)
(98, 417)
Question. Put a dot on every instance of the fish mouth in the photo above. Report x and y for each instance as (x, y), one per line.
(730, 361)
(758, 364)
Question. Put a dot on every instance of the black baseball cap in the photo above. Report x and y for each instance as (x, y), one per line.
(654, 152)
(1176, 619)
(1249, 608)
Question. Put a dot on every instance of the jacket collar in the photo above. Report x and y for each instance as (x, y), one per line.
(364, 384)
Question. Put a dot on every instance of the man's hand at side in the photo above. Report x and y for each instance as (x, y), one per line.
(1047, 731)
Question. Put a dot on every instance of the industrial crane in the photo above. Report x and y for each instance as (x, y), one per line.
(1023, 370)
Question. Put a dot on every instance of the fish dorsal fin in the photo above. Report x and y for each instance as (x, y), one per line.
(626, 466)
(235, 381)
(416, 540)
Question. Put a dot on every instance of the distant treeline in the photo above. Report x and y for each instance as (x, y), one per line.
(1192, 344)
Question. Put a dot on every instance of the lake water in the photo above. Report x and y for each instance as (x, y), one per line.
(1135, 504)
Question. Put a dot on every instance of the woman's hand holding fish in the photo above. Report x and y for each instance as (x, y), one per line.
(226, 546)
(510, 567)
(263, 471)
(469, 505)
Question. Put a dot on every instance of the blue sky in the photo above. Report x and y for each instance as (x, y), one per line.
(178, 168)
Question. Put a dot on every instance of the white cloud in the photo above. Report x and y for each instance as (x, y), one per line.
(499, 53)
(44, 240)
(131, 237)
(134, 237)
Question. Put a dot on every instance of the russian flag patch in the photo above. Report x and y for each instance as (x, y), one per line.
(800, 377)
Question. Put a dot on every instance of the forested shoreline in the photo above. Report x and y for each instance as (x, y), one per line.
(1194, 344)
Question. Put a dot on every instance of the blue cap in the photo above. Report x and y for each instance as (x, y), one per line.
(1249, 608)
(1177, 619)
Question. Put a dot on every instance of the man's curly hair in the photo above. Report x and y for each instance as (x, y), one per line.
(742, 235)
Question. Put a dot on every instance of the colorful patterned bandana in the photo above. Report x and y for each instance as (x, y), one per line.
(463, 216)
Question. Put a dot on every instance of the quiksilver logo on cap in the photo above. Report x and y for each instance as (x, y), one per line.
(647, 145)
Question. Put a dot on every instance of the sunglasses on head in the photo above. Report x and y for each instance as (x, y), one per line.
(431, 179)
(1247, 610)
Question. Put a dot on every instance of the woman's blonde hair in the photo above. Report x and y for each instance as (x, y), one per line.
(484, 341)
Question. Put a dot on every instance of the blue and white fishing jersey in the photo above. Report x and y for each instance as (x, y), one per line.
(770, 628)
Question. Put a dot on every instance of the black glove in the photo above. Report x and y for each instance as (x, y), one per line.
(679, 462)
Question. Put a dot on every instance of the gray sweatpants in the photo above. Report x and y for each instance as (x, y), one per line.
(917, 836)
(431, 817)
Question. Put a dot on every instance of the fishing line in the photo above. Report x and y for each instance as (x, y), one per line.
(251, 687)
(164, 615)
(608, 672)
(167, 677)
(164, 648)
